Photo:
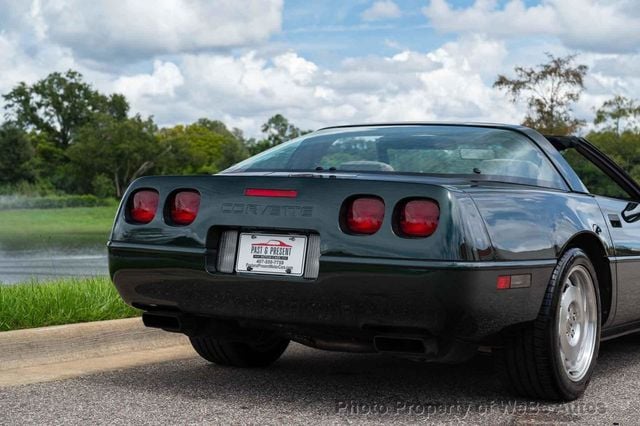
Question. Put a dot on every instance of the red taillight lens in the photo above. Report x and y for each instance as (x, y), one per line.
(144, 205)
(419, 218)
(184, 207)
(364, 215)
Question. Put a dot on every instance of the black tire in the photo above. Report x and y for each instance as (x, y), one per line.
(530, 361)
(239, 353)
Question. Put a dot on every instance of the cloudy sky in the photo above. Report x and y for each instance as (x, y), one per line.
(319, 62)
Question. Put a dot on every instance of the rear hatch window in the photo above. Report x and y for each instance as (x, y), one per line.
(463, 151)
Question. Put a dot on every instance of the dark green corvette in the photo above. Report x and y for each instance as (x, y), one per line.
(420, 240)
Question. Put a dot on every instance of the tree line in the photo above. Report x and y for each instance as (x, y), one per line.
(60, 135)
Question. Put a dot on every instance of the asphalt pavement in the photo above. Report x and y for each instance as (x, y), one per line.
(308, 386)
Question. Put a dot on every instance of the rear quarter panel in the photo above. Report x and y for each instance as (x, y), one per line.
(534, 224)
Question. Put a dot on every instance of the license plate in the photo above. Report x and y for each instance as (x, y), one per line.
(271, 254)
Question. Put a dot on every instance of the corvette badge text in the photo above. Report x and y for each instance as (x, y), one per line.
(267, 210)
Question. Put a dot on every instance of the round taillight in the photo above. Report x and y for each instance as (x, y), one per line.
(184, 207)
(143, 206)
(419, 218)
(365, 215)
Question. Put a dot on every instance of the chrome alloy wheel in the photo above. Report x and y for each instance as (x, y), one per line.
(577, 323)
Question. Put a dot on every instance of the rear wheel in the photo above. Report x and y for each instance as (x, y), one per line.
(260, 353)
(554, 357)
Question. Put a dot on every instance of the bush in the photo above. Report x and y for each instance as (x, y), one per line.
(29, 189)
(8, 202)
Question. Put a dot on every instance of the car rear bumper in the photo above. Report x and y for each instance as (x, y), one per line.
(349, 296)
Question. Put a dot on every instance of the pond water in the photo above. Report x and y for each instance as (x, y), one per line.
(51, 263)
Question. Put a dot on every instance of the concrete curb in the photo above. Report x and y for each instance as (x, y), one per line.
(74, 342)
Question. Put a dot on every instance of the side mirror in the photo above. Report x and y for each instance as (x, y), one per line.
(631, 212)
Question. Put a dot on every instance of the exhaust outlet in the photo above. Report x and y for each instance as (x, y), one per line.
(406, 345)
(167, 321)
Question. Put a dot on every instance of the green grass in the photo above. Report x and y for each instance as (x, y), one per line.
(67, 227)
(64, 301)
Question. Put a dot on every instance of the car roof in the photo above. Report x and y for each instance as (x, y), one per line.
(429, 123)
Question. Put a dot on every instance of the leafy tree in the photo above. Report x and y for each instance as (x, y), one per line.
(619, 138)
(121, 150)
(277, 130)
(102, 186)
(623, 148)
(49, 163)
(17, 154)
(616, 112)
(620, 135)
(238, 134)
(233, 149)
(203, 147)
(115, 105)
(549, 89)
(215, 126)
(59, 104)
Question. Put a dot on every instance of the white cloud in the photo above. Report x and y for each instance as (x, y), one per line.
(17, 65)
(244, 90)
(380, 10)
(131, 29)
(484, 16)
(622, 66)
(473, 54)
(163, 81)
(603, 26)
(595, 25)
(609, 75)
(377, 74)
(243, 87)
(300, 70)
